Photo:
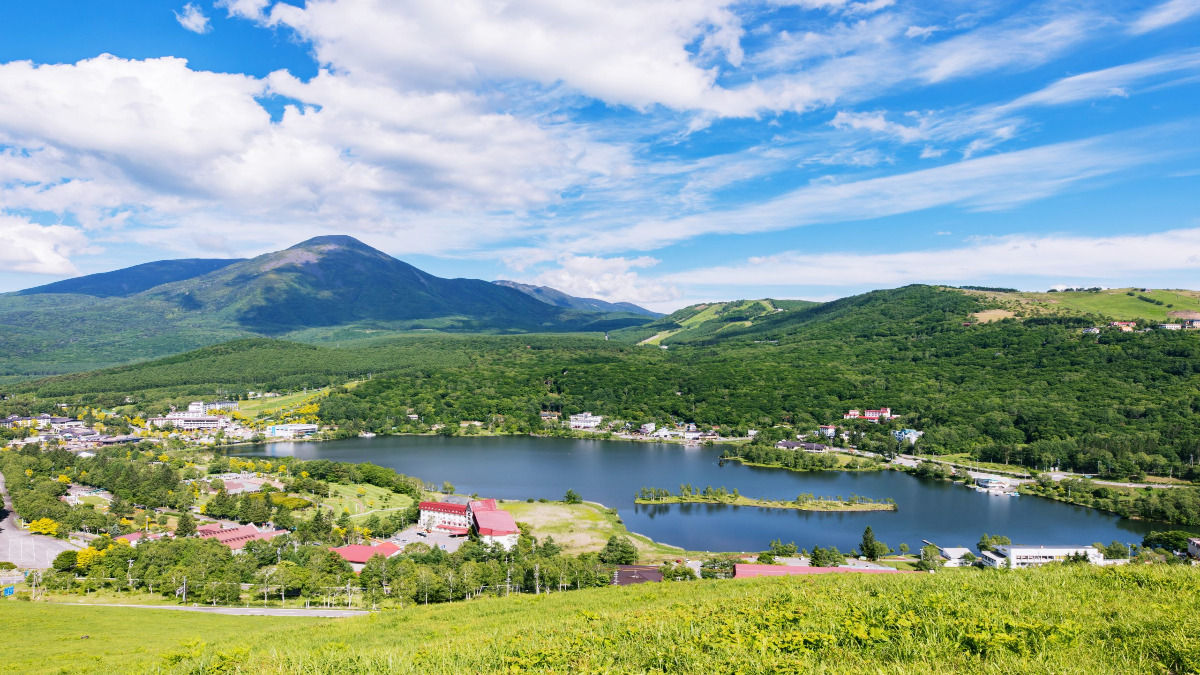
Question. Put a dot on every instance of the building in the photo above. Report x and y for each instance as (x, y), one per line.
(870, 415)
(189, 421)
(494, 525)
(1194, 547)
(648, 428)
(358, 554)
(992, 482)
(748, 570)
(549, 416)
(134, 538)
(910, 435)
(452, 518)
(220, 405)
(1171, 326)
(236, 537)
(585, 420)
(291, 430)
(956, 556)
(827, 430)
(1123, 324)
(1020, 557)
(1091, 331)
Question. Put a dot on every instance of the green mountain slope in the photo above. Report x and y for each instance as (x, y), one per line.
(324, 289)
(1111, 303)
(1047, 620)
(553, 296)
(709, 321)
(134, 279)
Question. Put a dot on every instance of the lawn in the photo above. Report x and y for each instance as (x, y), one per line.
(49, 638)
(580, 528)
(1111, 303)
(372, 499)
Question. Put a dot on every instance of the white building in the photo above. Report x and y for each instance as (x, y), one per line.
(219, 405)
(1171, 326)
(956, 556)
(453, 518)
(493, 525)
(189, 421)
(585, 420)
(291, 430)
(910, 435)
(1194, 547)
(1019, 557)
(649, 427)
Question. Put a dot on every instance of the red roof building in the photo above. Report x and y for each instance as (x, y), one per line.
(454, 518)
(494, 525)
(358, 554)
(236, 537)
(748, 570)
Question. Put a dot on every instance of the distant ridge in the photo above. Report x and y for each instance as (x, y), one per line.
(131, 280)
(553, 296)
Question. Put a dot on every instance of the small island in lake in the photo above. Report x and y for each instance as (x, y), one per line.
(804, 502)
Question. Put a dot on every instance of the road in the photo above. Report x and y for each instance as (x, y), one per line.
(239, 611)
(26, 551)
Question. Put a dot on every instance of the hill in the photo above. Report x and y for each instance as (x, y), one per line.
(553, 296)
(1026, 621)
(324, 289)
(710, 321)
(1110, 303)
(131, 280)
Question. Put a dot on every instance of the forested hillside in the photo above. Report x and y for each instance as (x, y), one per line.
(1036, 392)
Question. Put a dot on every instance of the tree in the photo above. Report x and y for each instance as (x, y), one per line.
(826, 557)
(44, 526)
(65, 561)
(572, 497)
(870, 547)
(903, 548)
(931, 558)
(619, 551)
(447, 487)
(185, 526)
(989, 543)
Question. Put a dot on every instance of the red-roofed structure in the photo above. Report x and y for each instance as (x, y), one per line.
(134, 537)
(494, 525)
(236, 537)
(358, 554)
(440, 514)
(748, 570)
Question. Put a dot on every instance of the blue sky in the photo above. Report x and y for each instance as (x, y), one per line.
(657, 151)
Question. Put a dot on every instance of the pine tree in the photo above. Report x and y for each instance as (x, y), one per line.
(186, 526)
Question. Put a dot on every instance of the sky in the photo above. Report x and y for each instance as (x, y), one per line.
(663, 152)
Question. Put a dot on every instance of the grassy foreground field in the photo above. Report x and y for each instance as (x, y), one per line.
(1055, 620)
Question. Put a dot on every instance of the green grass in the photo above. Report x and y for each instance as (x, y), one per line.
(1111, 302)
(347, 497)
(48, 638)
(261, 407)
(583, 528)
(1060, 619)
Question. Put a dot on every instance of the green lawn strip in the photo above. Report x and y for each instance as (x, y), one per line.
(585, 527)
(49, 638)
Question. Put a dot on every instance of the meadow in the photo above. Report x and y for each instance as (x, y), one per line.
(1061, 619)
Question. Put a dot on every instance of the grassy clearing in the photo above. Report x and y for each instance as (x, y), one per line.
(583, 528)
(1113, 302)
(362, 500)
(1061, 619)
(47, 638)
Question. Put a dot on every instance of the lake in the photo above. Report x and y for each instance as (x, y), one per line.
(611, 472)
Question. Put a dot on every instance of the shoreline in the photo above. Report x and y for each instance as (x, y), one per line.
(825, 505)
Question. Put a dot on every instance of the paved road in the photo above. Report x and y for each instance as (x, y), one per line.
(26, 551)
(239, 611)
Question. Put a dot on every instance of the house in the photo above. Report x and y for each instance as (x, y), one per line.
(627, 575)
(787, 445)
(1091, 331)
(827, 430)
(585, 420)
(236, 537)
(358, 554)
(134, 538)
(910, 435)
(1019, 557)
(1123, 324)
(955, 556)
(413, 418)
(493, 525)
(548, 416)
(291, 430)
(1171, 326)
(870, 415)
(1194, 547)
(749, 570)
(452, 518)
(648, 428)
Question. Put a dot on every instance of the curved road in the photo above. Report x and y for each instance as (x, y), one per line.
(26, 551)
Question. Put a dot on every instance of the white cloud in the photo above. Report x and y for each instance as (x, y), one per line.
(930, 152)
(610, 279)
(245, 9)
(1059, 256)
(1113, 81)
(988, 183)
(877, 122)
(1166, 14)
(193, 19)
(922, 32)
(39, 249)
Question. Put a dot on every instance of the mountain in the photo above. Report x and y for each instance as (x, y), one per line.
(326, 289)
(711, 321)
(553, 296)
(131, 280)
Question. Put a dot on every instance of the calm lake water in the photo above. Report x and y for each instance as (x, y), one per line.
(612, 472)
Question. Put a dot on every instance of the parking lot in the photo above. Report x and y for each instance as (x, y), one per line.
(436, 539)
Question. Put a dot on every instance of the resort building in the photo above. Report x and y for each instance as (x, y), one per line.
(1019, 557)
(291, 430)
(189, 421)
(870, 415)
(585, 421)
(358, 554)
(452, 518)
(236, 537)
(955, 556)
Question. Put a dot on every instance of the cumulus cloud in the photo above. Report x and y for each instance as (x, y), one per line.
(612, 279)
(39, 249)
(244, 9)
(1085, 258)
(193, 19)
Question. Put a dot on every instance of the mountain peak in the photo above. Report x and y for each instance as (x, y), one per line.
(339, 240)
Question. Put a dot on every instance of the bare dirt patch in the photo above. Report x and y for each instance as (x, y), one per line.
(989, 315)
(1184, 314)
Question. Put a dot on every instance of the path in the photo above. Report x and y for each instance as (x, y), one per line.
(26, 551)
(239, 611)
